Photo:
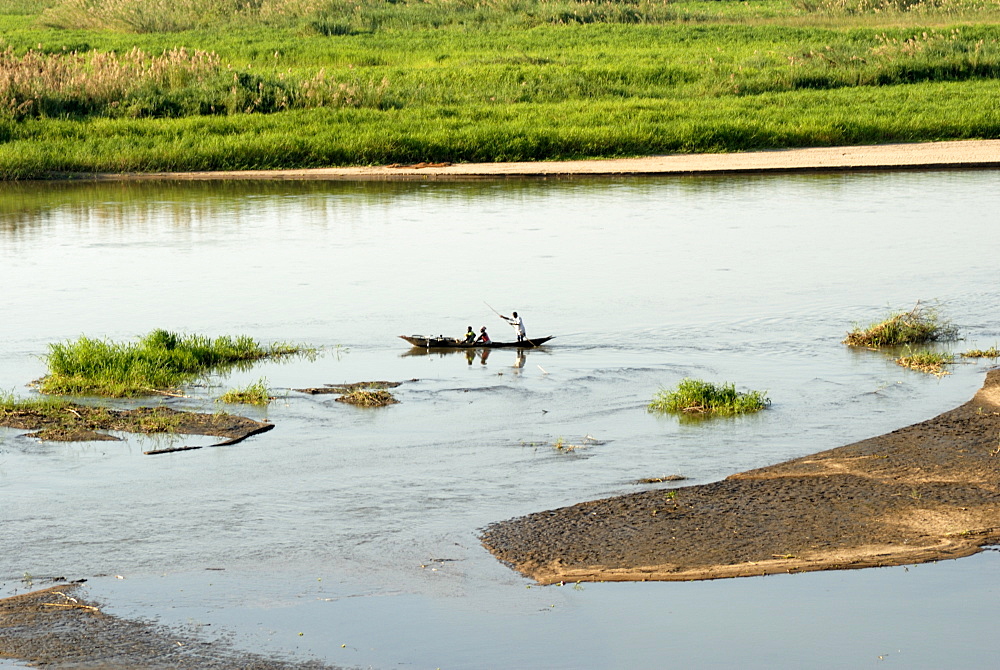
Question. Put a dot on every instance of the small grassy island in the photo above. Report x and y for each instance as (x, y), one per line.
(920, 325)
(91, 86)
(694, 397)
(156, 363)
(899, 331)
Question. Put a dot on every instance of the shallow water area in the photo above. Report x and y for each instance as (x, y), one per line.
(358, 527)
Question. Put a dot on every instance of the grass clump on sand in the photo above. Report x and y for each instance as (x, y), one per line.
(367, 397)
(931, 362)
(253, 394)
(693, 396)
(156, 363)
(918, 326)
(992, 352)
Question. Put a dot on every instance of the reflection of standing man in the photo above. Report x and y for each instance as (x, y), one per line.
(518, 324)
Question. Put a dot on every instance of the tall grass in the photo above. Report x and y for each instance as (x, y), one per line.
(344, 17)
(174, 83)
(479, 80)
(158, 361)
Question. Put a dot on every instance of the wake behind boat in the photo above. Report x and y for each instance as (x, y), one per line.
(442, 342)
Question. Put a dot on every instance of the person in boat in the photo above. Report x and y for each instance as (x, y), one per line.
(470, 336)
(518, 324)
(483, 337)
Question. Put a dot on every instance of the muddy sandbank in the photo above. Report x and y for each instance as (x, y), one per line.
(58, 628)
(924, 155)
(926, 492)
(75, 423)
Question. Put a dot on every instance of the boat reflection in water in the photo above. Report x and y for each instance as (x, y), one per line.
(472, 355)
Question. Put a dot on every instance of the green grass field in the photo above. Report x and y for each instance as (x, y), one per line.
(144, 85)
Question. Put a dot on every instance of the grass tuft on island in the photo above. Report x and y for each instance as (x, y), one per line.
(252, 394)
(158, 362)
(694, 397)
(920, 325)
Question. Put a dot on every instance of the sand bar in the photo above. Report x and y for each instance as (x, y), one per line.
(929, 155)
(926, 492)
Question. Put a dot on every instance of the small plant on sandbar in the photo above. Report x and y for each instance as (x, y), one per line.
(931, 362)
(920, 325)
(254, 394)
(696, 397)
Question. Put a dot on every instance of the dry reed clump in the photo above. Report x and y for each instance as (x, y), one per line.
(38, 83)
(870, 7)
(144, 16)
(177, 82)
(165, 16)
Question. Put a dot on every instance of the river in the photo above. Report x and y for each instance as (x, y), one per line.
(351, 535)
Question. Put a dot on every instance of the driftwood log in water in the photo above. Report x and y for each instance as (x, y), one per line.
(925, 492)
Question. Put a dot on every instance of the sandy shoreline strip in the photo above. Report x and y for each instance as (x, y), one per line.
(929, 155)
(926, 492)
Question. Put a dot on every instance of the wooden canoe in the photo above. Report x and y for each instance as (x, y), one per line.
(452, 343)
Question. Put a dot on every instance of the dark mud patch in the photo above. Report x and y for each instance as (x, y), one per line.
(75, 423)
(58, 628)
(661, 480)
(925, 492)
(368, 398)
(348, 388)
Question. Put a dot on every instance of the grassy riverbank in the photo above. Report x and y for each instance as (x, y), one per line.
(93, 85)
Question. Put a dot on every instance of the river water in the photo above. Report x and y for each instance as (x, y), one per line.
(351, 535)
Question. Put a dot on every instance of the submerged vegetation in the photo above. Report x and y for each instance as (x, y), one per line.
(931, 362)
(252, 394)
(992, 352)
(156, 363)
(920, 325)
(140, 85)
(696, 397)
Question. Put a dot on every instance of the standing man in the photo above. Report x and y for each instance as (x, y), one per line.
(518, 324)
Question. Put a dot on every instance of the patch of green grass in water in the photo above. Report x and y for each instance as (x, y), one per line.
(252, 394)
(159, 361)
(696, 397)
(920, 325)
